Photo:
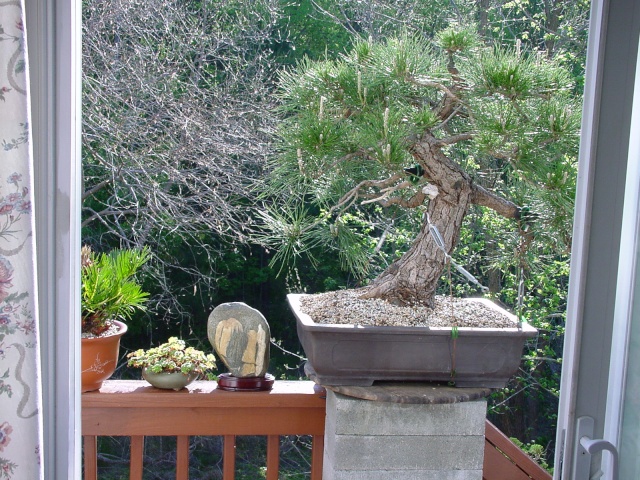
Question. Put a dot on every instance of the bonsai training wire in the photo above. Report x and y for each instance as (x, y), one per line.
(437, 237)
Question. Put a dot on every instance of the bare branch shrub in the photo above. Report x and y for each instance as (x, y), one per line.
(177, 118)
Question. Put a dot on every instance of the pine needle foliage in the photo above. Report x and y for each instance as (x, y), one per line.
(453, 39)
(350, 126)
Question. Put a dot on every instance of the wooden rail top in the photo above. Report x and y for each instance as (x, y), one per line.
(134, 408)
(128, 393)
(126, 407)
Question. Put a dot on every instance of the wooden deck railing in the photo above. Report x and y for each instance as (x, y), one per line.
(135, 409)
(503, 460)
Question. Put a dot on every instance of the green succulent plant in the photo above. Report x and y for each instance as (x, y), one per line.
(173, 356)
(109, 289)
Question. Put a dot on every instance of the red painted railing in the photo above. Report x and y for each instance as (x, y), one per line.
(135, 409)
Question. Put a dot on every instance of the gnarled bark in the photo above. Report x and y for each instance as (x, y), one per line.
(413, 278)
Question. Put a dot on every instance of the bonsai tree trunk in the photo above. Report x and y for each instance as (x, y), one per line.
(413, 278)
(415, 275)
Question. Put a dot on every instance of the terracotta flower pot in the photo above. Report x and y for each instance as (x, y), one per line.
(99, 358)
(360, 355)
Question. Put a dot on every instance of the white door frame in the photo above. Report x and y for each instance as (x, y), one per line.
(54, 47)
(606, 123)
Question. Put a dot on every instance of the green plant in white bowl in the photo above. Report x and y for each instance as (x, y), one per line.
(173, 364)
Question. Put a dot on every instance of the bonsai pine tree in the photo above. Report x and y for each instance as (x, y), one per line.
(436, 126)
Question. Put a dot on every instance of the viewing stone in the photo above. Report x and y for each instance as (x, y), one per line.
(240, 335)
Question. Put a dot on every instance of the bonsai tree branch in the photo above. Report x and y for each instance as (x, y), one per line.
(485, 198)
(413, 202)
(352, 195)
(454, 139)
(453, 114)
(423, 82)
(386, 192)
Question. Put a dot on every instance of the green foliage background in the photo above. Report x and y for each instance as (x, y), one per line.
(533, 282)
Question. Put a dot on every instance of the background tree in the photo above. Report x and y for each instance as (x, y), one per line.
(177, 120)
(408, 125)
(557, 28)
(321, 29)
(180, 118)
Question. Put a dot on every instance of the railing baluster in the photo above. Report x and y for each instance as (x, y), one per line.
(273, 457)
(317, 452)
(229, 458)
(136, 457)
(182, 458)
(131, 408)
(90, 457)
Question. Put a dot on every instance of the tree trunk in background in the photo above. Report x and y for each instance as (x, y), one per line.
(482, 10)
(552, 10)
(494, 275)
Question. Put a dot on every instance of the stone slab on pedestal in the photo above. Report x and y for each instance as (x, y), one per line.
(420, 432)
(240, 335)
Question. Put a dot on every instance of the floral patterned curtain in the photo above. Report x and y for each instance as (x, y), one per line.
(20, 419)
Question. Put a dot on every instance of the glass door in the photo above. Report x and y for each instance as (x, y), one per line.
(622, 423)
(629, 435)
(598, 435)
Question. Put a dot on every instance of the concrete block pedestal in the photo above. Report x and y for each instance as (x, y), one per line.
(404, 431)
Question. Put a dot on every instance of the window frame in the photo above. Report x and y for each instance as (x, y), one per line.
(54, 60)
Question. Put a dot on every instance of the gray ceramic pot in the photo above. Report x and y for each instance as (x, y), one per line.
(360, 355)
(169, 381)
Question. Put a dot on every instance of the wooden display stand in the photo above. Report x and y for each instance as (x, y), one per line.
(231, 383)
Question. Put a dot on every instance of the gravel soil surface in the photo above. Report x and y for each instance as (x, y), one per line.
(346, 307)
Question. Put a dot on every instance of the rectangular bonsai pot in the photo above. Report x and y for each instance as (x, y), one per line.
(360, 355)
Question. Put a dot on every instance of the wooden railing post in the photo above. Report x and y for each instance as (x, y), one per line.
(136, 457)
(273, 457)
(182, 458)
(229, 458)
(90, 457)
(317, 453)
